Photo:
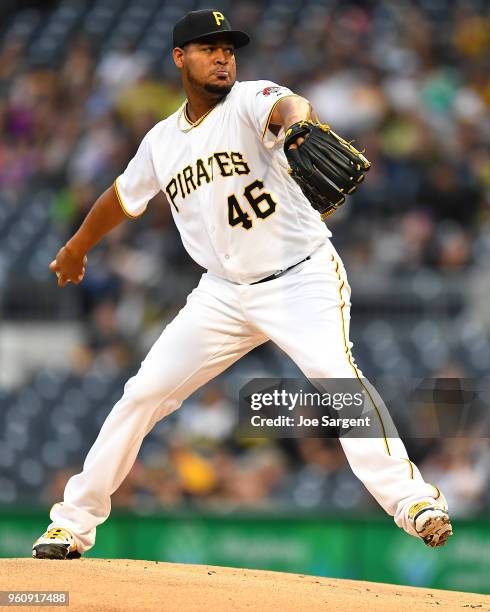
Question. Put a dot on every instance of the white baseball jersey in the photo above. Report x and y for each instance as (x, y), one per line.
(239, 213)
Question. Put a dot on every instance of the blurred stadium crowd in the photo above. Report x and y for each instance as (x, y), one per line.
(81, 81)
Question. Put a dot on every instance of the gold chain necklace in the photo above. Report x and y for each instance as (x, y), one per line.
(194, 124)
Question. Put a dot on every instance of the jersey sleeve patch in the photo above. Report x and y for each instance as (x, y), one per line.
(271, 91)
(255, 104)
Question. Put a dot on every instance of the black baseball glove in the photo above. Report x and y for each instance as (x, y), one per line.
(325, 166)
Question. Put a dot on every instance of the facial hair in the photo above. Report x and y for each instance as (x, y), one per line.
(215, 89)
(218, 89)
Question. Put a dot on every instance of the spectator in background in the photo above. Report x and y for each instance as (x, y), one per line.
(210, 416)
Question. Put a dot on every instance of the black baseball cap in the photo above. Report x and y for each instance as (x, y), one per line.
(199, 24)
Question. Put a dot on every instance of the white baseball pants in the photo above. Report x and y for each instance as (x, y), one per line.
(306, 312)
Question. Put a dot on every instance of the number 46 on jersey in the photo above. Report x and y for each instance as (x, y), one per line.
(261, 202)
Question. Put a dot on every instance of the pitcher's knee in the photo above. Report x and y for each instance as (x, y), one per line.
(328, 368)
(148, 393)
(333, 368)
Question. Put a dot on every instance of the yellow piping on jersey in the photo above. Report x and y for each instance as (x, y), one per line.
(438, 492)
(351, 359)
(272, 110)
(119, 199)
(411, 467)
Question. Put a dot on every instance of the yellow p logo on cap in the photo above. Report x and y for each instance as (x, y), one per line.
(219, 17)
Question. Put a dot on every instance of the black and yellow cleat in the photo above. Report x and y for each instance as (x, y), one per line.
(56, 543)
(431, 522)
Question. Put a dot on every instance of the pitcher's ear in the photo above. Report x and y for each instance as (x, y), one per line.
(178, 55)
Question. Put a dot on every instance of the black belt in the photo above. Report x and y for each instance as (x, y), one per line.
(278, 274)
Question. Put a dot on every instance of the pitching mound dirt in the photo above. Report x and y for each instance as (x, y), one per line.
(120, 584)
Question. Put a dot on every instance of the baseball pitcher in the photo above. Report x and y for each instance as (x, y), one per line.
(249, 178)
